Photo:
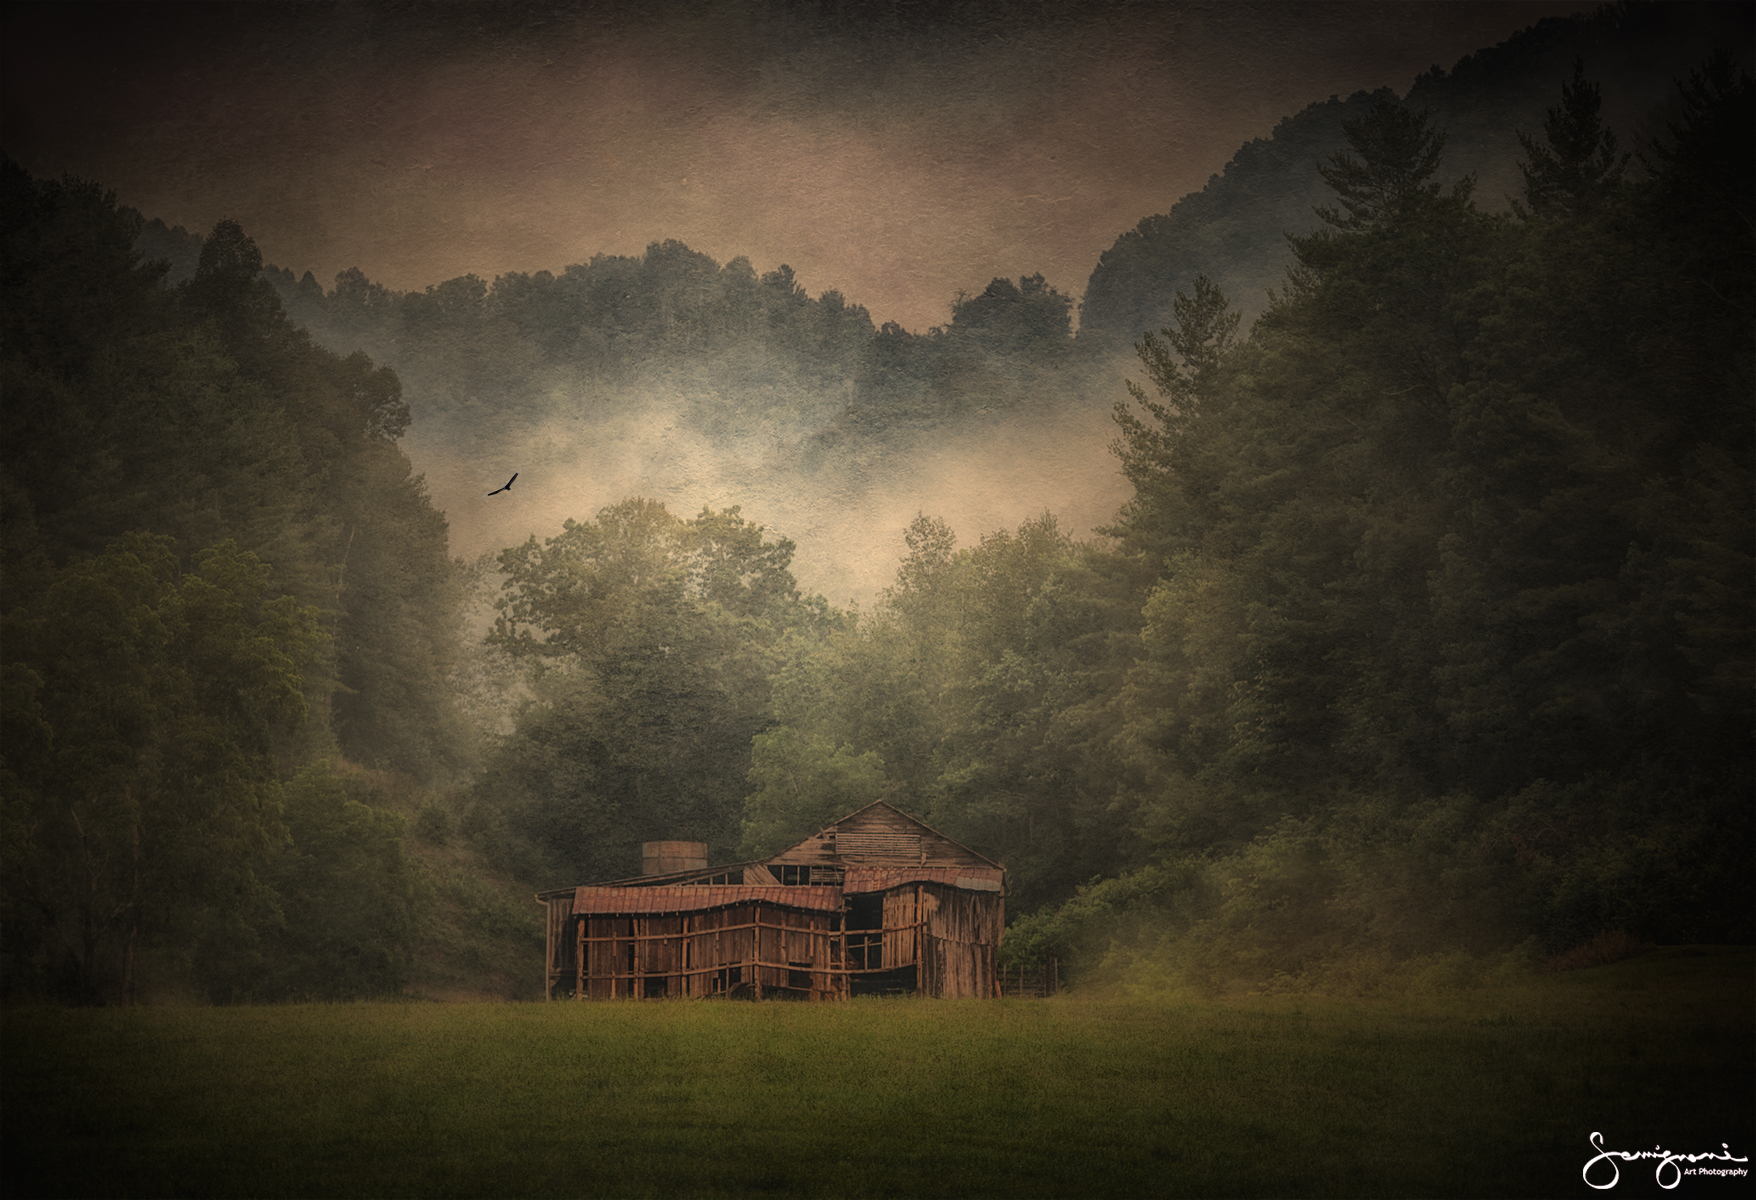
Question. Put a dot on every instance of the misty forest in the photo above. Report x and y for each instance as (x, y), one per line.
(1421, 630)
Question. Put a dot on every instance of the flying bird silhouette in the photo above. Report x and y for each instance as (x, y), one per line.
(506, 487)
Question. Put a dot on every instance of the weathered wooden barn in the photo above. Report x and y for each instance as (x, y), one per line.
(876, 903)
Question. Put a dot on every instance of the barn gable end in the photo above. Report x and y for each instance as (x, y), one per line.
(879, 834)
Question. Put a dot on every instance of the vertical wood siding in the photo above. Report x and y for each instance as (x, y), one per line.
(960, 942)
(757, 948)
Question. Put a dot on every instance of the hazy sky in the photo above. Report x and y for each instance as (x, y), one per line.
(885, 150)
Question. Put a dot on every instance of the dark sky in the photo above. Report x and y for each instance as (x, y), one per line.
(890, 151)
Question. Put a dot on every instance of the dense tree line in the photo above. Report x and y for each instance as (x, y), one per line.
(1466, 523)
(532, 347)
(219, 569)
(1430, 621)
(727, 348)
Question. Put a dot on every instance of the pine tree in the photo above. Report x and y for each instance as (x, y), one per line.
(1391, 158)
(1579, 168)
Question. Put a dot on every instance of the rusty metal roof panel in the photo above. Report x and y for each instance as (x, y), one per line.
(695, 898)
(879, 879)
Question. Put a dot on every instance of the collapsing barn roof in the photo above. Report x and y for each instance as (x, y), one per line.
(877, 901)
(633, 900)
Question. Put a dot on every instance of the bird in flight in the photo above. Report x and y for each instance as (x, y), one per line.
(506, 487)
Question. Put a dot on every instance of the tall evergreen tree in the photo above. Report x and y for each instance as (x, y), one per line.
(1388, 166)
(1578, 168)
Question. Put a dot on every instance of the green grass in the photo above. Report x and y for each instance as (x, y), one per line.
(1487, 1092)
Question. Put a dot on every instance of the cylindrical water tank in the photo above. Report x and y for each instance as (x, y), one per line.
(661, 858)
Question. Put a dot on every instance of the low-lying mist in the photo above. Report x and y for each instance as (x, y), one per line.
(843, 498)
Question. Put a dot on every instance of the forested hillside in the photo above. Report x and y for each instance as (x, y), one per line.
(1447, 567)
(1234, 230)
(1428, 625)
(691, 382)
(675, 377)
(1425, 627)
(221, 580)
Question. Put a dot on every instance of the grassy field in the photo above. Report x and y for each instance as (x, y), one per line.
(1478, 1093)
